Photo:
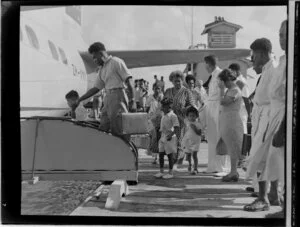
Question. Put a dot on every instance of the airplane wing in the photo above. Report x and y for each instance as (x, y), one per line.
(147, 58)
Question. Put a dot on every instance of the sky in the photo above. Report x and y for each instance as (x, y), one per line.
(169, 27)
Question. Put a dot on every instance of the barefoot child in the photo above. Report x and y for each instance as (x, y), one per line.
(170, 133)
(192, 138)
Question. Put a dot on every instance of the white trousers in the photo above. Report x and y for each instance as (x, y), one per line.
(216, 163)
(260, 118)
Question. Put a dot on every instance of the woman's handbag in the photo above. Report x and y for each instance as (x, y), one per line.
(221, 148)
(246, 144)
(247, 140)
(279, 136)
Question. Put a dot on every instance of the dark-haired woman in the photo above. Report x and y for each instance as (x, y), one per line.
(231, 125)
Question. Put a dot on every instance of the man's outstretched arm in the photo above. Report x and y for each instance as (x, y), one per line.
(89, 94)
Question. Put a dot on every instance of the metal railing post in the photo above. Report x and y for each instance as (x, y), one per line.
(35, 141)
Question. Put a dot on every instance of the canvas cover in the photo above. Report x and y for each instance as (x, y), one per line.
(72, 146)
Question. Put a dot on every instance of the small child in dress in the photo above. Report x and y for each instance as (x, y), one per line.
(192, 138)
(80, 112)
(170, 133)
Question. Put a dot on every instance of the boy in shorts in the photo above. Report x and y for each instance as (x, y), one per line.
(192, 138)
(170, 133)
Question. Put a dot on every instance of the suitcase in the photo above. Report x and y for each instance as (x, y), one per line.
(135, 123)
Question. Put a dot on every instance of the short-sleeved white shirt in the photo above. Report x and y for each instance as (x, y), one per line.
(168, 122)
(277, 90)
(261, 96)
(112, 74)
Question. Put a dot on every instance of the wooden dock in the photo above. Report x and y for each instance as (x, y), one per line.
(185, 195)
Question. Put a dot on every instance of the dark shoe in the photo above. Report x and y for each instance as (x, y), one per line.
(254, 194)
(233, 178)
(257, 205)
(189, 169)
(250, 189)
(194, 172)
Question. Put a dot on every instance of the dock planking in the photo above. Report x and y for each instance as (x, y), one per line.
(202, 195)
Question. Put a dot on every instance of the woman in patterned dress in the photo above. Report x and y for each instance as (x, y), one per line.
(182, 98)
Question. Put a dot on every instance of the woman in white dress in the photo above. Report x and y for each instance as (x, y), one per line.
(231, 125)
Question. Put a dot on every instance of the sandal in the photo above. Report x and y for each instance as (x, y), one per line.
(257, 205)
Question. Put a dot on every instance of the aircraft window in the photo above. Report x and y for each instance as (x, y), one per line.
(53, 50)
(63, 56)
(32, 37)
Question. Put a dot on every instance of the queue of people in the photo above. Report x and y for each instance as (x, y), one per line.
(220, 108)
(141, 87)
(227, 111)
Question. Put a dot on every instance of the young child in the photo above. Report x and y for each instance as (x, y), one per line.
(80, 113)
(170, 133)
(153, 107)
(192, 138)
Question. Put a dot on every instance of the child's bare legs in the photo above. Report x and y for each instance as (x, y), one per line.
(195, 159)
(189, 159)
(161, 165)
(161, 161)
(171, 162)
